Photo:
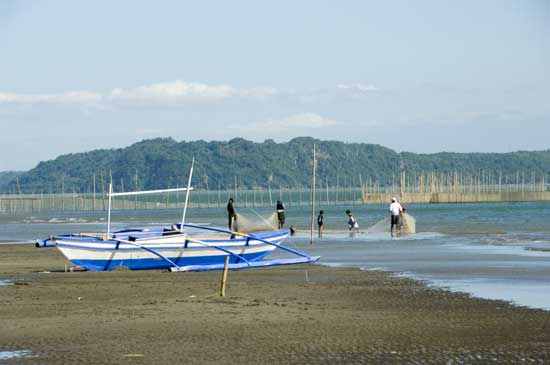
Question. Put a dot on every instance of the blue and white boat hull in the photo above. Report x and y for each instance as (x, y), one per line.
(164, 252)
(172, 247)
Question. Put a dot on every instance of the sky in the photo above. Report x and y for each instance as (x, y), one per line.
(420, 76)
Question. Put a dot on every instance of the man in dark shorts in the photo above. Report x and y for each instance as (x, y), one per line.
(231, 215)
(396, 209)
(280, 214)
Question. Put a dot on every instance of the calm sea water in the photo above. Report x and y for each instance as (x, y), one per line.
(496, 251)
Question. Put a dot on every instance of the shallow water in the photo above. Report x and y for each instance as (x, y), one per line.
(490, 250)
(495, 251)
(9, 355)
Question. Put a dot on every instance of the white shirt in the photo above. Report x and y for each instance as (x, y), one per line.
(353, 222)
(395, 208)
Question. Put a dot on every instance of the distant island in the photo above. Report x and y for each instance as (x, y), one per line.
(164, 162)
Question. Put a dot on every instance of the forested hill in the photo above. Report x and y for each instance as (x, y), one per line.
(163, 163)
(6, 177)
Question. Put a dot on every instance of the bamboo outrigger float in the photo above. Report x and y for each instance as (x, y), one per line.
(179, 247)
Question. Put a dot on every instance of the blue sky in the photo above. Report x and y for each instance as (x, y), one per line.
(422, 76)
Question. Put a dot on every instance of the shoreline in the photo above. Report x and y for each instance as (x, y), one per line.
(297, 314)
(368, 199)
(433, 284)
(430, 283)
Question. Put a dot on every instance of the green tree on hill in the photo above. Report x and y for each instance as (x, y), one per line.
(164, 162)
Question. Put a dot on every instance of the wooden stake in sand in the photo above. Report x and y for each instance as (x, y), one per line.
(224, 276)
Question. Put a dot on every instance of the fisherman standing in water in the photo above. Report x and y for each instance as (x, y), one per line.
(231, 216)
(321, 222)
(280, 214)
(396, 209)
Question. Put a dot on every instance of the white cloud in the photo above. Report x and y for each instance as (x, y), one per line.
(357, 87)
(305, 120)
(178, 91)
(174, 92)
(170, 92)
(300, 121)
(71, 97)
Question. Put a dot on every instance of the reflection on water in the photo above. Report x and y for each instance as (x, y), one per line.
(491, 250)
(520, 292)
(8, 355)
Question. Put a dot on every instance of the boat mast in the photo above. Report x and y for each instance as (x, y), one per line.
(187, 194)
(112, 195)
(109, 211)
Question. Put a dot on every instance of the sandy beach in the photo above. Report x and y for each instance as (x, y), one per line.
(294, 314)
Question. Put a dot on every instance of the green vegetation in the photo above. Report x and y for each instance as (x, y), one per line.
(6, 177)
(163, 162)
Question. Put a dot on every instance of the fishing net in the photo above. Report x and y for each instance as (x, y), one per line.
(409, 224)
(249, 223)
(383, 225)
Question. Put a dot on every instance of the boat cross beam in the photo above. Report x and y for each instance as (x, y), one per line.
(188, 239)
(143, 192)
(149, 250)
(219, 248)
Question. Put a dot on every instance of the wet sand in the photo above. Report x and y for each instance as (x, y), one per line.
(294, 314)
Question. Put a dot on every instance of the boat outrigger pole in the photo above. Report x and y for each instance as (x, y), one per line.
(254, 237)
(187, 195)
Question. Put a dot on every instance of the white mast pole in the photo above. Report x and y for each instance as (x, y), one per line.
(109, 211)
(187, 195)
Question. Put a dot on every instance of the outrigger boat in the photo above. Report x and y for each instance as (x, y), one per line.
(174, 247)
